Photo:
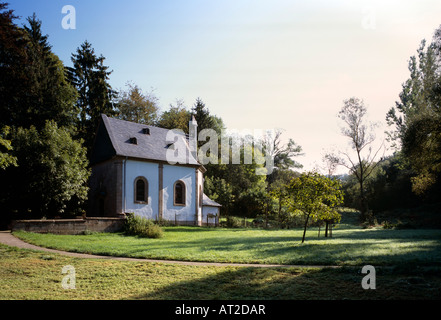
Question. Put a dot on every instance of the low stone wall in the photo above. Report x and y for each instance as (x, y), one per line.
(70, 226)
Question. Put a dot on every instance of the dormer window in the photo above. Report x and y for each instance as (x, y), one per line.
(146, 130)
(133, 140)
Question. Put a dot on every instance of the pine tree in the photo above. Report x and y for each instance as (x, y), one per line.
(33, 87)
(50, 96)
(202, 115)
(90, 77)
(13, 79)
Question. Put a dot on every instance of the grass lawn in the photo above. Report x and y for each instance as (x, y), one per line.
(407, 263)
(348, 246)
(27, 274)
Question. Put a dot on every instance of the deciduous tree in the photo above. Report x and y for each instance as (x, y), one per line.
(177, 117)
(316, 196)
(51, 176)
(361, 135)
(135, 105)
(6, 158)
(417, 116)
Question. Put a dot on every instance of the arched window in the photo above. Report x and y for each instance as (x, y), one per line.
(141, 190)
(179, 196)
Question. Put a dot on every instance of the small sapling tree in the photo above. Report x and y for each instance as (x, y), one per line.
(316, 196)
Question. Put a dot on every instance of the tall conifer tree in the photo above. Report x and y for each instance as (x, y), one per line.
(90, 77)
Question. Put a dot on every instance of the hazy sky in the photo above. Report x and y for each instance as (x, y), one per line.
(255, 64)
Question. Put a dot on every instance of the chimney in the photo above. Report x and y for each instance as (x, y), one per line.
(193, 137)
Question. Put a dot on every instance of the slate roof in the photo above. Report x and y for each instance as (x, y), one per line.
(152, 146)
(206, 201)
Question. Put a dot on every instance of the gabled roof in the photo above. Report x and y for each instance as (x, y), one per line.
(206, 201)
(129, 139)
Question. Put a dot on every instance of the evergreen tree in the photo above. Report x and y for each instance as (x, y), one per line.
(13, 59)
(90, 77)
(33, 87)
(202, 115)
(50, 95)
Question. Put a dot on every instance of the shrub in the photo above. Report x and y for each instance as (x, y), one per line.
(235, 222)
(388, 225)
(399, 225)
(154, 231)
(404, 225)
(140, 226)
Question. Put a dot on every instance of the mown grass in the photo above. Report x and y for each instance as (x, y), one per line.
(27, 274)
(407, 263)
(349, 245)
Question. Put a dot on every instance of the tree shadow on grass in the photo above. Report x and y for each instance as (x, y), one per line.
(290, 284)
(241, 283)
(375, 247)
(347, 247)
(357, 253)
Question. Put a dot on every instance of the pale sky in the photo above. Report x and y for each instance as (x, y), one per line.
(255, 64)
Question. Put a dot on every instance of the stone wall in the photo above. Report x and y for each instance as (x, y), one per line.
(70, 226)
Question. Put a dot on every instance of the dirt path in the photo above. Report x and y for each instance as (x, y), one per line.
(7, 238)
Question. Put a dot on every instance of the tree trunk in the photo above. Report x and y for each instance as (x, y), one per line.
(266, 215)
(362, 201)
(364, 205)
(280, 209)
(361, 178)
(304, 230)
